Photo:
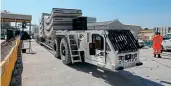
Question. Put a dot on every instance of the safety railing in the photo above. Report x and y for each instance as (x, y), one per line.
(7, 65)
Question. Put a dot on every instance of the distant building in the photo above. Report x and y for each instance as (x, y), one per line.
(115, 24)
(163, 30)
(10, 21)
(35, 29)
(5, 26)
(146, 35)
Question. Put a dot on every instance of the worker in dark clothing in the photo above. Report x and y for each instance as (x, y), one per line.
(21, 34)
(21, 38)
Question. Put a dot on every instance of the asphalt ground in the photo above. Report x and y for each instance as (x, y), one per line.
(43, 69)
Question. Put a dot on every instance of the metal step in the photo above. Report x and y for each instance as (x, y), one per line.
(76, 61)
(73, 44)
(74, 55)
(74, 50)
(76, 58)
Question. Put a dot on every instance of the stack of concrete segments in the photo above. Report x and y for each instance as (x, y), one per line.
(59, 19)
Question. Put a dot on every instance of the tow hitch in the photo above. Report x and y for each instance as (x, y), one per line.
(119, 68)
(139, 64)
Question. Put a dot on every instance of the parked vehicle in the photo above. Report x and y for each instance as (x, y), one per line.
(2, 36)
(141, 43)
(166, 44)
(65, 31)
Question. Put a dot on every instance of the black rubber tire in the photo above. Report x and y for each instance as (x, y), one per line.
(19, 67)
(67, 58)
(19, 64)
(19, 61)
(18, 70)
(56, 49)
(13, 82)
(18, 80)
(15, 72)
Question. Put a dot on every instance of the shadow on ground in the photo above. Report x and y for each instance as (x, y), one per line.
(166, 82)
(165, 54)
(166, 58)
(121, 78)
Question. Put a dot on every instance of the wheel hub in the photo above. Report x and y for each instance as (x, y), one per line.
(63, 51)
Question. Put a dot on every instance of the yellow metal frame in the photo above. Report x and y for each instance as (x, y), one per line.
(7, 65)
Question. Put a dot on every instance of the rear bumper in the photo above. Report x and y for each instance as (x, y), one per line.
(166, 47)
(142, 46)
(139, 64)
(121, 67)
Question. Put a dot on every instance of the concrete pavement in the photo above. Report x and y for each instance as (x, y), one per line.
(43, 69)
(2, 41)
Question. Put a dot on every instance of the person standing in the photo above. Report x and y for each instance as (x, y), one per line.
(21, 34)
(157, 41)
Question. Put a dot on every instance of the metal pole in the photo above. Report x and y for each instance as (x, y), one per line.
(15, 24)
(30, 35)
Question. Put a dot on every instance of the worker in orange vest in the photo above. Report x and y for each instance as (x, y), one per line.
(157, 41)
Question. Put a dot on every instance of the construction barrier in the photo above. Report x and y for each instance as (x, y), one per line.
(148, 43)
(8, 64)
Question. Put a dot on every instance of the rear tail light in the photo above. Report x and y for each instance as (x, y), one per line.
(90, 45)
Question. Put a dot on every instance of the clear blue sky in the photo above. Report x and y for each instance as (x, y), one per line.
(146, 13)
